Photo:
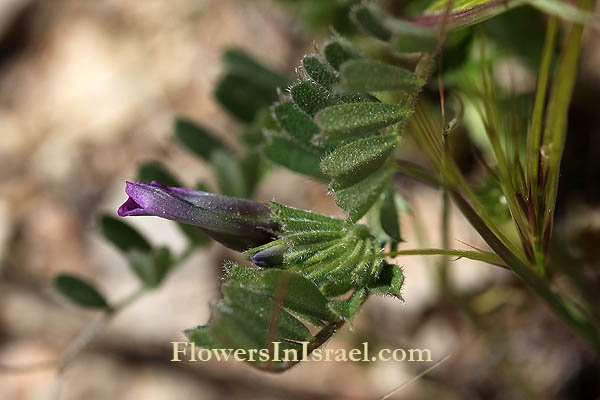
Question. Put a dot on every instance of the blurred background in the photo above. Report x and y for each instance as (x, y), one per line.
(90, 89)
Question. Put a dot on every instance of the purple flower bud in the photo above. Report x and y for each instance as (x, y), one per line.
(271, 256)
(239, 224)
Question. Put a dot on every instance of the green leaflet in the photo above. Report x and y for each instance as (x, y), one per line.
(302, 296)
(197, 139)
(337, 52)
(388, 215)
(230, 177)
(359, 117)
(242, 275)
(247, 86)
(354, 97)
(151, 267)
(320, 72)
(297, 158)
(238, 62)
(418, 35)
(123, 235)
(358, 198)
(410, 36)
(311, 97)
(369, 22)
(348, 308)
(253, 169)
(149, 264)
(295, 122)
(383, 219)
(80, 291)
(334, 255)
(242, 320)
(293, 147)
(242, 98)
(370, 76)
(355, 161)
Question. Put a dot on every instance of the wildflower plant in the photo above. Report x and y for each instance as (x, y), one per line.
(354, 104)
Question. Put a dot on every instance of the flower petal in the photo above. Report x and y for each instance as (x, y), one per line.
(130, 208)
(236, 223)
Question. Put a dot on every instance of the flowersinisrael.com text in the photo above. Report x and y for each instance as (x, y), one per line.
(185, 351)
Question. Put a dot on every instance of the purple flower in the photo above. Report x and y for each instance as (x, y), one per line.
(239, 224)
